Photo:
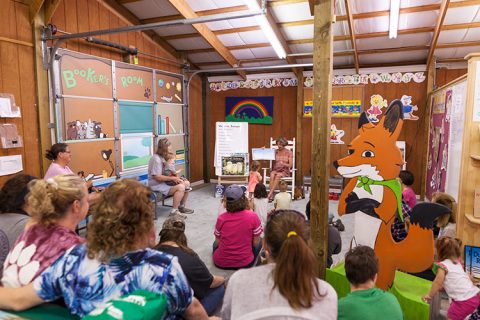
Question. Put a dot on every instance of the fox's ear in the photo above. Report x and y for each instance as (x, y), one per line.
(362, 120)
(393, 119)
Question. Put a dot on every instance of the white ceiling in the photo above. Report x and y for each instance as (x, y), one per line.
(300, 11)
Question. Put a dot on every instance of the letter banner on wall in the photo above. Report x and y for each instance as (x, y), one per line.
(340, 108)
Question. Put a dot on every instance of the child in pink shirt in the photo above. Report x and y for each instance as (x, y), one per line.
(237, 232)
(407, 179)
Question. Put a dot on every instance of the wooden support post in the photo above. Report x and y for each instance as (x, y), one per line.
(426, 119)
(322, 95)
(41, 80)
(298, 137)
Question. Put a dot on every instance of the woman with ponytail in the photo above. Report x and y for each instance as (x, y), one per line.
(56, 206)
(288, 285)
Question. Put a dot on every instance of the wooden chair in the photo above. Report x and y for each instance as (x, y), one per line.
(290, 180)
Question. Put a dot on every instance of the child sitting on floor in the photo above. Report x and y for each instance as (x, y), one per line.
(172, 172)
(260, 203)
(451, 277)
(282, 199)
(254, 178)
(407, 179)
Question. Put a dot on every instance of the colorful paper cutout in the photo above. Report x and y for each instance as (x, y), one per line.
(336, 135)
(408, 108)
(377, 104)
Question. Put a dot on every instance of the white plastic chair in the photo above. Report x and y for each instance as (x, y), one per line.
(289, 180)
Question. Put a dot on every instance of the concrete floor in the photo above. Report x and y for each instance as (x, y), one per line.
(201, 224)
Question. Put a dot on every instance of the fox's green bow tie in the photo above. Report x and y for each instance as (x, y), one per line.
(393, 184)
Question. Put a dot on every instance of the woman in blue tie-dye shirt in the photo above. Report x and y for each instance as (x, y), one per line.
(115, 261)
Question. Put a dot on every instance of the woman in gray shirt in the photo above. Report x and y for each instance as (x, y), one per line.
(287, 287)
(158, 178)
(13, 213)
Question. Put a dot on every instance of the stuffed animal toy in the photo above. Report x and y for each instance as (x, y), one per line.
(81, 130)
(72, 130)
(90, 130)
(97, 127)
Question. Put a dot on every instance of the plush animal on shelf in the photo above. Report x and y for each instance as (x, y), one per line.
(82, 130)
(408, 108)
(72, 130)
(97, 127)
(90, 130)
(374, 195)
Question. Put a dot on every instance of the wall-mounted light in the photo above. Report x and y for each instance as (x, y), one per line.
(267, 29)
(394, 15)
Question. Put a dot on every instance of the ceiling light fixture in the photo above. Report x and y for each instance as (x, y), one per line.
(267, 29)
(394, 15)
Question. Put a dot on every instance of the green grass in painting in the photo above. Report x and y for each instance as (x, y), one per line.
(264, 120)
(133, 162)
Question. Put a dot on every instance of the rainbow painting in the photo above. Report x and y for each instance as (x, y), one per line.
(254, 110)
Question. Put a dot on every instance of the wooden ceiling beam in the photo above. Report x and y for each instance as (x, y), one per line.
(379, 65)
(458, 44)
(438, 27)
(460, 25)
(451, 60)
(277, 3)
(127, 1)
(352, 34)
(213, 63)
(237, 30)
(185, 10)
(35, 6)
(198, 13)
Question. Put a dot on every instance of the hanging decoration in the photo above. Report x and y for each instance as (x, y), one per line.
(336, 135)
(354, 79)
(408, 108)
(340, 108)
(377, 103)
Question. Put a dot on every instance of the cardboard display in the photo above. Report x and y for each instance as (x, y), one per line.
(97, 157)
(374, 195)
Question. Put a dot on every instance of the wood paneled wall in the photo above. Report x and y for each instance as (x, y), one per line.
(444, 76)
(87, 15)
(17, 77)
(284, 121)
(349, 125)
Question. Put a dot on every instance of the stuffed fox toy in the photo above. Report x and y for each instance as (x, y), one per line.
(374, 195)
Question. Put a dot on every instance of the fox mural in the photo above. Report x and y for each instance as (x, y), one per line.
(374, 195)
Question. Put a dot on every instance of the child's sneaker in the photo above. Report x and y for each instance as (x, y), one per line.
(188, 189)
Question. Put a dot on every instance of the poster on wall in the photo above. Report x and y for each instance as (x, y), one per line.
(136, 150)
(133, 83)
(346, 108)
(255, 110)
(336, 135)
(92, 120)
(93, 157)
(169, 119)
(340, 108)
(169, 88)
(439, 138)
(84, 75)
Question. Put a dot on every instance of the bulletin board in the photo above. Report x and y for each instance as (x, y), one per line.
(445, 140)
(105, 107)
